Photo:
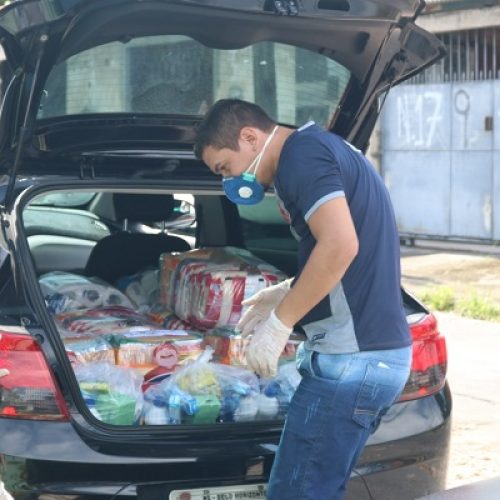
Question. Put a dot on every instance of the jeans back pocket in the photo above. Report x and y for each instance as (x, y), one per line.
(380, 388)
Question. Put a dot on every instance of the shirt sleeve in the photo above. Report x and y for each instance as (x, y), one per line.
(309, 175)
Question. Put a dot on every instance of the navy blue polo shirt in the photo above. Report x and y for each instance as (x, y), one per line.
(365, 310)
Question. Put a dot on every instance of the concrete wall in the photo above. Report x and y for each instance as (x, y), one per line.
(443, 22)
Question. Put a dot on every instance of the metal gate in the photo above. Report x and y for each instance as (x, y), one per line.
(441, 159)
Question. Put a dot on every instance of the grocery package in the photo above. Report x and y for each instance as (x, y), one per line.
(167, 319)
(277, 393)
(88, 349)
(229, 346)
(206, 287)
(142, 350)
(141, 288)
(64, 292)
(103, 320)
(112, 393)
(203, 392)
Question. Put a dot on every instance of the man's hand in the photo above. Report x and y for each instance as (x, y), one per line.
(266, 345)
(262, 303)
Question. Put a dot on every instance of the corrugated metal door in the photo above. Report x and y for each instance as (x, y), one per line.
(441, 158)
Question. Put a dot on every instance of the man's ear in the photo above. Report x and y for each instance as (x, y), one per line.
(249, 136)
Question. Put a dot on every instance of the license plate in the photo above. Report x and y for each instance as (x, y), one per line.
(243, 492)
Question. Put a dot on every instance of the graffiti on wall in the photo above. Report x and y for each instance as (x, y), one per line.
(419, 116)
(441, 153)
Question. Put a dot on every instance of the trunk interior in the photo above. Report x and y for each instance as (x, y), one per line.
(144, 289)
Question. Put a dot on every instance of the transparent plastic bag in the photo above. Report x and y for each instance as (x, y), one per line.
(280, 389)
(239, 393)
(83, 349)
(204, 392)
(142, 289)
(137, 348)
(104, 320)
(64, 292)
(112, 393)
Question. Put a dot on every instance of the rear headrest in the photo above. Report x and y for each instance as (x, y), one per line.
(143, 207)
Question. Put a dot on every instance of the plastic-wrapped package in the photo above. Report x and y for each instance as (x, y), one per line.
(141, 288)
(206, 287)
(112, 393)
(136, 349)
(70, 292)
(88, 349)
(104, 320)
(167, 319)
(240, 390)
(280, 388)
(229, 346)
(203, 392)
(191, 395)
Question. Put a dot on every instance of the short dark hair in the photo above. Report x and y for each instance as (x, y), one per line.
(223, 122)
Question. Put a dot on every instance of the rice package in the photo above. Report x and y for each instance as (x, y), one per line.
(206, 287)
(70, 292)
(103, 321)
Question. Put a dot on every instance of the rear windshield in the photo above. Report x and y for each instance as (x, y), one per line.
(176, 75)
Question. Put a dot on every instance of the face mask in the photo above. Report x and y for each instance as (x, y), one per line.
(244, 189)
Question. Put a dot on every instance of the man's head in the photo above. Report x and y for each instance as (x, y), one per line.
(231, 135)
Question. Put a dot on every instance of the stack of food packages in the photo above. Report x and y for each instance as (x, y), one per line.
(160, 347)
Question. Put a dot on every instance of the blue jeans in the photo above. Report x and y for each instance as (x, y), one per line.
(338, 403)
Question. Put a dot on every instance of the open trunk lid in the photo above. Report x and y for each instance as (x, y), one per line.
(361, 48)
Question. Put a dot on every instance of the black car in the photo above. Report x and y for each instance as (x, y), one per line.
(100, 100)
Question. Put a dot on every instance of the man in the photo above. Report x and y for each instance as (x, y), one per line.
(346, 295)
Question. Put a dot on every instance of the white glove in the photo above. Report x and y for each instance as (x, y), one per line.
(262, 303)
(4, 494)
(266, 345)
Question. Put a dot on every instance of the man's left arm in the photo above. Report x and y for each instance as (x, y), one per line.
(336, 247)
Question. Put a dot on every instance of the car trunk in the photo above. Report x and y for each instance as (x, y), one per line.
(104, 349)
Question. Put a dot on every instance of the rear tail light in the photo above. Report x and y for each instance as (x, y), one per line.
(27, 386)
(428, 370)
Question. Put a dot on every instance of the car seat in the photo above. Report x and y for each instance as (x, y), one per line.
(125, 253)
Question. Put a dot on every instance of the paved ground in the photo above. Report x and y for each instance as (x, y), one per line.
(473, 356)
(474, 377)
(463, 271)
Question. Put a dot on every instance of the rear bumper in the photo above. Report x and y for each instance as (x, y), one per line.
(406, 457)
